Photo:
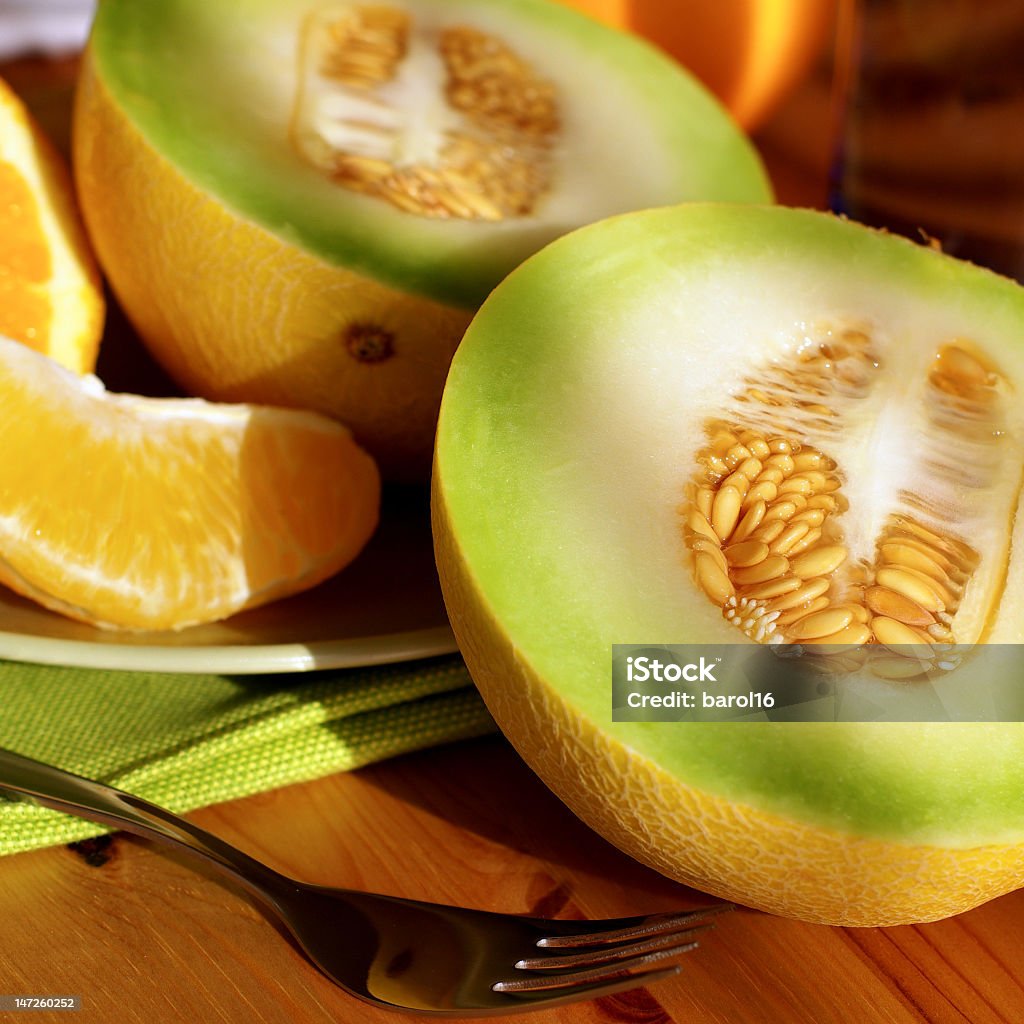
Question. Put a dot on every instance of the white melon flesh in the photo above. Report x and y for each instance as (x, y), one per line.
(281, 100)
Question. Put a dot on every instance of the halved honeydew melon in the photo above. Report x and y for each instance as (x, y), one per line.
(606, 397)
(302, 203)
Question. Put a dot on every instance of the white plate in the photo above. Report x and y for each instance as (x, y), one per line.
(385, 607)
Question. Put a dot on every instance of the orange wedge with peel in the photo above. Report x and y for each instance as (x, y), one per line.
(50, 293)
(145, 513)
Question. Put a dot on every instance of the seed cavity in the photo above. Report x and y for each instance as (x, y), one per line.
(768, 589)
(772, 504)
(441, 122)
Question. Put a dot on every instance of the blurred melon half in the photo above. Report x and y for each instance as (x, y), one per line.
(750, 53)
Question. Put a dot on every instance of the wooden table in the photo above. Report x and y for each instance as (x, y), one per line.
(140, 937)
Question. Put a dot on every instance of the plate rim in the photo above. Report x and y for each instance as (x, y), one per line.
(231, 659)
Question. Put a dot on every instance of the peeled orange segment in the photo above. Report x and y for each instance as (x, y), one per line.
(50, 294)
(729, 425)
(142, 513)
(308, 209)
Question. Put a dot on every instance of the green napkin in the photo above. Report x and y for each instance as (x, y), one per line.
(185, 741)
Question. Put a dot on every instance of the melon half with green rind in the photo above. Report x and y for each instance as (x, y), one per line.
(573, 444)
(303, 202)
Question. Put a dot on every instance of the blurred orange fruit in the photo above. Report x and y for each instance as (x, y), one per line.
(146, 513)
(50, 293)
(750, 53)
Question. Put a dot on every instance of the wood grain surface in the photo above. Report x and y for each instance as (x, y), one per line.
(142, 937)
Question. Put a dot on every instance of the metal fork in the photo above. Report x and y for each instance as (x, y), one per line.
(398, 953)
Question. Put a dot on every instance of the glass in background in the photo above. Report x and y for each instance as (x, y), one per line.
(932, 136)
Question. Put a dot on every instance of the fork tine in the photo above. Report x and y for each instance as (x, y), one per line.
(594, 990)
(648, 927)
(609, 954)
(607, 972)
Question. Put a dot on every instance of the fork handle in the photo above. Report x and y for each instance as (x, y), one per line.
(85, 798)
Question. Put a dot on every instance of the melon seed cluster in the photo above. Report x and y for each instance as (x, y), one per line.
(917, 584)
(487, 157)
(764, 547)
(763, 529)
(763, 521)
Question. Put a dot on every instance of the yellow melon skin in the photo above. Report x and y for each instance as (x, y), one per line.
(730, 850)
(171, 253)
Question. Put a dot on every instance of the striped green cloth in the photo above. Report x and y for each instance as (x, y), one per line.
(186, 741)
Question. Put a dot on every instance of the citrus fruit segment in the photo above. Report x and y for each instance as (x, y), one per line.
(310, 218)
(143, 513)
(50, 294)
(736, 425)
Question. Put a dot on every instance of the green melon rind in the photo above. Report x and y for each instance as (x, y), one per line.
(512, 461)
(155, 60)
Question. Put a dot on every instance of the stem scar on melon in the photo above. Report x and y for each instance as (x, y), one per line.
(766, 513)
(368, 343)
